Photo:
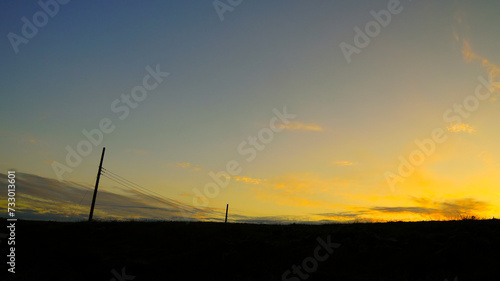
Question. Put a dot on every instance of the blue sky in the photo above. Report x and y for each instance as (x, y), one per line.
(353, 120)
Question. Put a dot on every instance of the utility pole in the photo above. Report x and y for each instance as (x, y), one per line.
(96, 185)
(227, 207)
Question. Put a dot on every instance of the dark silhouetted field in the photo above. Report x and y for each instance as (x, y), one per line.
(469, 250)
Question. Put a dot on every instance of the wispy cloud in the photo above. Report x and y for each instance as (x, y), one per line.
(296, 126)
(186, 165)
(249, 180)
(417, 210)
(344, 163)
(461, 32)
(462, 127)
(486, 157)
(492, 69)
(30, 139)
(344, 215)
(183, 164)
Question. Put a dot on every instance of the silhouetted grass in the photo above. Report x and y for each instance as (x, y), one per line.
(214, 251)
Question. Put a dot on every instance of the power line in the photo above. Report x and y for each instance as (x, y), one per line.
(129, 185)
(142, 190)
(130, 182)
(160, 199)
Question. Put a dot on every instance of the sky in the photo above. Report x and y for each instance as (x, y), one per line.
(288, 111)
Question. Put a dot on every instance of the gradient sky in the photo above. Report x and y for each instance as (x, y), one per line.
(354, 121)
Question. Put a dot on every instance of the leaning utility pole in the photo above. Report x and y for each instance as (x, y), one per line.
(227, 207)
(96, 185)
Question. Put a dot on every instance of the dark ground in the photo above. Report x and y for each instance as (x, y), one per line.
(468, 250)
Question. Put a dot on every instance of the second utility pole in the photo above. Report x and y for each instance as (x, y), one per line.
(227, 207)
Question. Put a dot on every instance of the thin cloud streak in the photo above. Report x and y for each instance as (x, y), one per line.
(299, 126)
(344, 163)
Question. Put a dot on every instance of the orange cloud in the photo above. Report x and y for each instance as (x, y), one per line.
(492, 69)
(249, 180)
(457, 128)
(460, 33)
(344, 163)
(486, 157)
(186, 165)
